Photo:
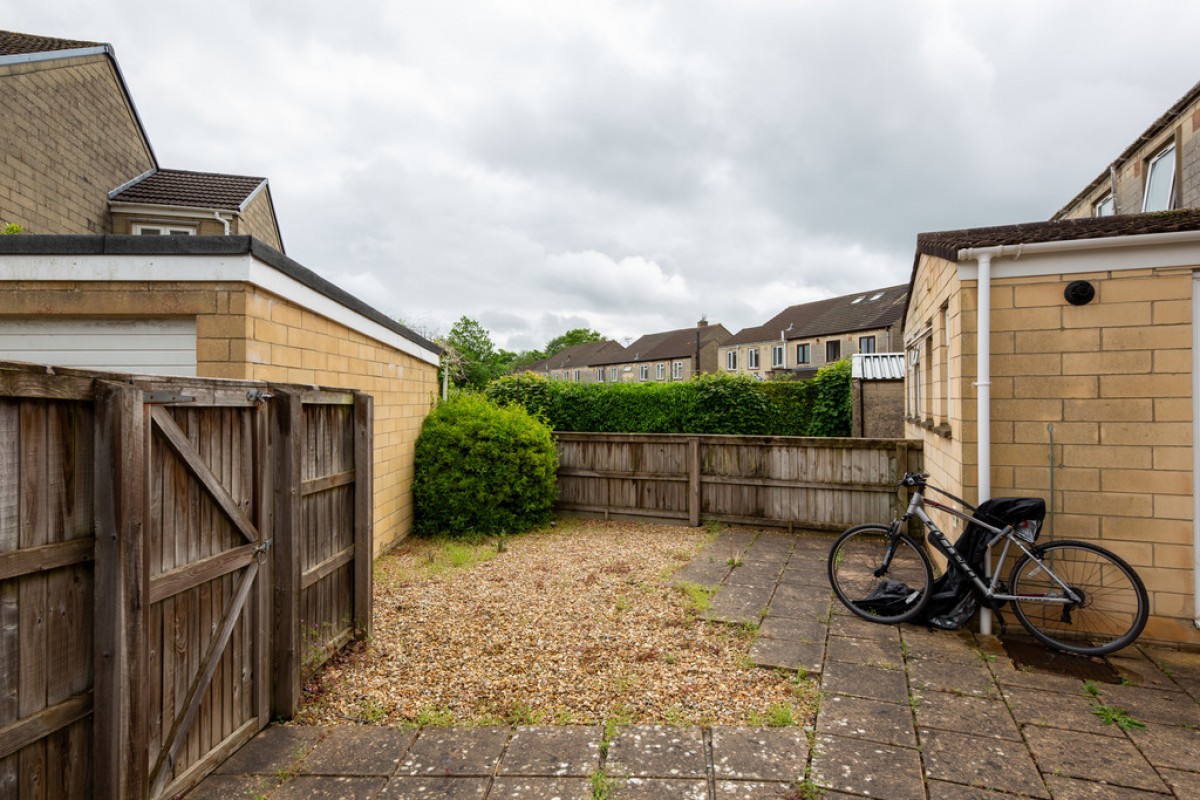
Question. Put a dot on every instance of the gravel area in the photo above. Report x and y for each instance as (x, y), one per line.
(577, 624)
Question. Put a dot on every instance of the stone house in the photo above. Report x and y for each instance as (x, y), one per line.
(1063, 354)
(130, 267)
(1158, 172)
(676, 355)
(578, 362)
(801, 339)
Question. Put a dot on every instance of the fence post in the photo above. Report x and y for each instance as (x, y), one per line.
(694, 481)
(286, 643)
(120, 724)
(364, 511)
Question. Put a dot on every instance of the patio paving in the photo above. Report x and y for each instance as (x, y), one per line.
(906, 714)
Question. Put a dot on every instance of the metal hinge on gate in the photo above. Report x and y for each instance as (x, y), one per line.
(258, 395)
(165, 398)
(261, 549)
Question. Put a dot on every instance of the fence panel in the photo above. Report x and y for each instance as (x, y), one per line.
(822, 484)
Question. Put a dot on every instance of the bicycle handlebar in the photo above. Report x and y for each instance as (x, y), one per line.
(914, 479)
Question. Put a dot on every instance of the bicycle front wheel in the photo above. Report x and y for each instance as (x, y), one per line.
(1112, 608)
(880, 576)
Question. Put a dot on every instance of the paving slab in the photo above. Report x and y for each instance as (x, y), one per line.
(358, 751)
(768, 754)
(553, 751)
(806, 578)
(426, 787)
(1088, 755)
(455, 751)
(1153, 705)
(1056, 710)
(940, 790)
(955, 647)
(521, 787)
(806, 657)
(1064, 788)
(1007, 674)
(876, 683)
(980, 716)
(759, 575)
(660, 789)
(802, 629)
(980, 761)
(1168, 746)
(800, 601)
(222, 787)
(861, 718)
(329, 787)
(863, 651)
(706, 572)
(657, 751)
(858, 628)
(275, 749)
(1137, 668)
(754, 790)
(948, 676)
(1184, 784)
(739, 604)
(859, 767)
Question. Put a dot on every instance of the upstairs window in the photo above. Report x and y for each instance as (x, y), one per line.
(1160, 181)
(866, 344)
(833, 351)
(752, 358)
(777, 356)
(164, 230)
(802, 355)
(1105, 207)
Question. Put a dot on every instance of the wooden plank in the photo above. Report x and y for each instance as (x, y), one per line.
(256, 686)
(46, 557)
(29, 729)
(336, 561)
(693, 481)
(324, 484)
(191, 576)
(188, 454)
(22, 383)
(213, 759)
(362, 613)
(119, 740)
(286, 429)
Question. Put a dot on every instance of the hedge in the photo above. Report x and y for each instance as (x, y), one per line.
(718, 404)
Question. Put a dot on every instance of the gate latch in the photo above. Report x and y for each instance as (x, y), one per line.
(261, 549)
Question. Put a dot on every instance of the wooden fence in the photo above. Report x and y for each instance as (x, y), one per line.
(174, 554)
(809, 483)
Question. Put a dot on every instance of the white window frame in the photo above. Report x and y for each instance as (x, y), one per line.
(1164, 159)
(600, 374)
(660, 371)
(914, 381)
(644, 371)
(577, 376)
(731, 361)
(752, 358)
(866, 344)
(677, 370)
(162, 229)
(806, 349)
(613, 374)
(1105, 207)
(777, 355)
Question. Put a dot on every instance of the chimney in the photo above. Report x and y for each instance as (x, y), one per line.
(703, 323)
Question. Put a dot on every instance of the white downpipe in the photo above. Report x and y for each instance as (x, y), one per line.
(983, 412)
(1196, 451)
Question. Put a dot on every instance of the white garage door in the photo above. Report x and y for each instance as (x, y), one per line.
(161, 346)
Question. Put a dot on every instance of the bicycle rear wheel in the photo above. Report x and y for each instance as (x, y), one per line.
(881, 577)
(1113, 609)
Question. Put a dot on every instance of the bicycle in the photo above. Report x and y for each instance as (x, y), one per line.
(1074, 596)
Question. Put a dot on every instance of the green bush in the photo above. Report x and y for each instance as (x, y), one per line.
(831, 410)
(482, 470)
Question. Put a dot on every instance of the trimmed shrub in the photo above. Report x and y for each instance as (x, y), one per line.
(831, 410)
(482, 469)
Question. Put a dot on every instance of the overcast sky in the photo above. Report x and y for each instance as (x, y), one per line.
(631, 166)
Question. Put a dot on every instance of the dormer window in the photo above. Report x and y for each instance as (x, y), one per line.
(876, 296)
(1105, 207)
(858, 300)
(140, 229)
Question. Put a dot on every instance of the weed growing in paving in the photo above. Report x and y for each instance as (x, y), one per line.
(602, 785)
(698, 595)
(1111, 715)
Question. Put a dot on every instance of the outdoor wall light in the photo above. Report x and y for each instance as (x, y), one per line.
(1079, 293)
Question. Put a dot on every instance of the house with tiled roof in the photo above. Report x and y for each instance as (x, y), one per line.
(78, 159)
(130, 267)
(676, 355)
(578, 362)
(801, 339)
(1059, 360)
(1159, 171)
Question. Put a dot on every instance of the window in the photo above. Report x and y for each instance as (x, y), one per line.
(801, 354)
(1160, 181)
(577, 376)
(644, 371)
(600, 374)
(866, 344)
(858, 300)
(661, 371)
(752, 358)
(777, 355)
(677, 370)
(876, 296)
(914, 381)
(1104, 206)
(164, 230)
(833, 351)
(731, 360)
(612, 373)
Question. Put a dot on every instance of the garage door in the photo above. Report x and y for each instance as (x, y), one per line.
(157, 346)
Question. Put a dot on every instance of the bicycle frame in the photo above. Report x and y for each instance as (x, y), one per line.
(916, 508)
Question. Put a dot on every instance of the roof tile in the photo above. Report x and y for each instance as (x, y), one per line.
(175, 187)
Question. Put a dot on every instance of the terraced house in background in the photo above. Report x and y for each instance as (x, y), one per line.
(676, 355)
(132, 267)
(576, 363)
(801, 339)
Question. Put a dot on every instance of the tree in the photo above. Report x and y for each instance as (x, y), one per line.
(570, 339)
(472, 355)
